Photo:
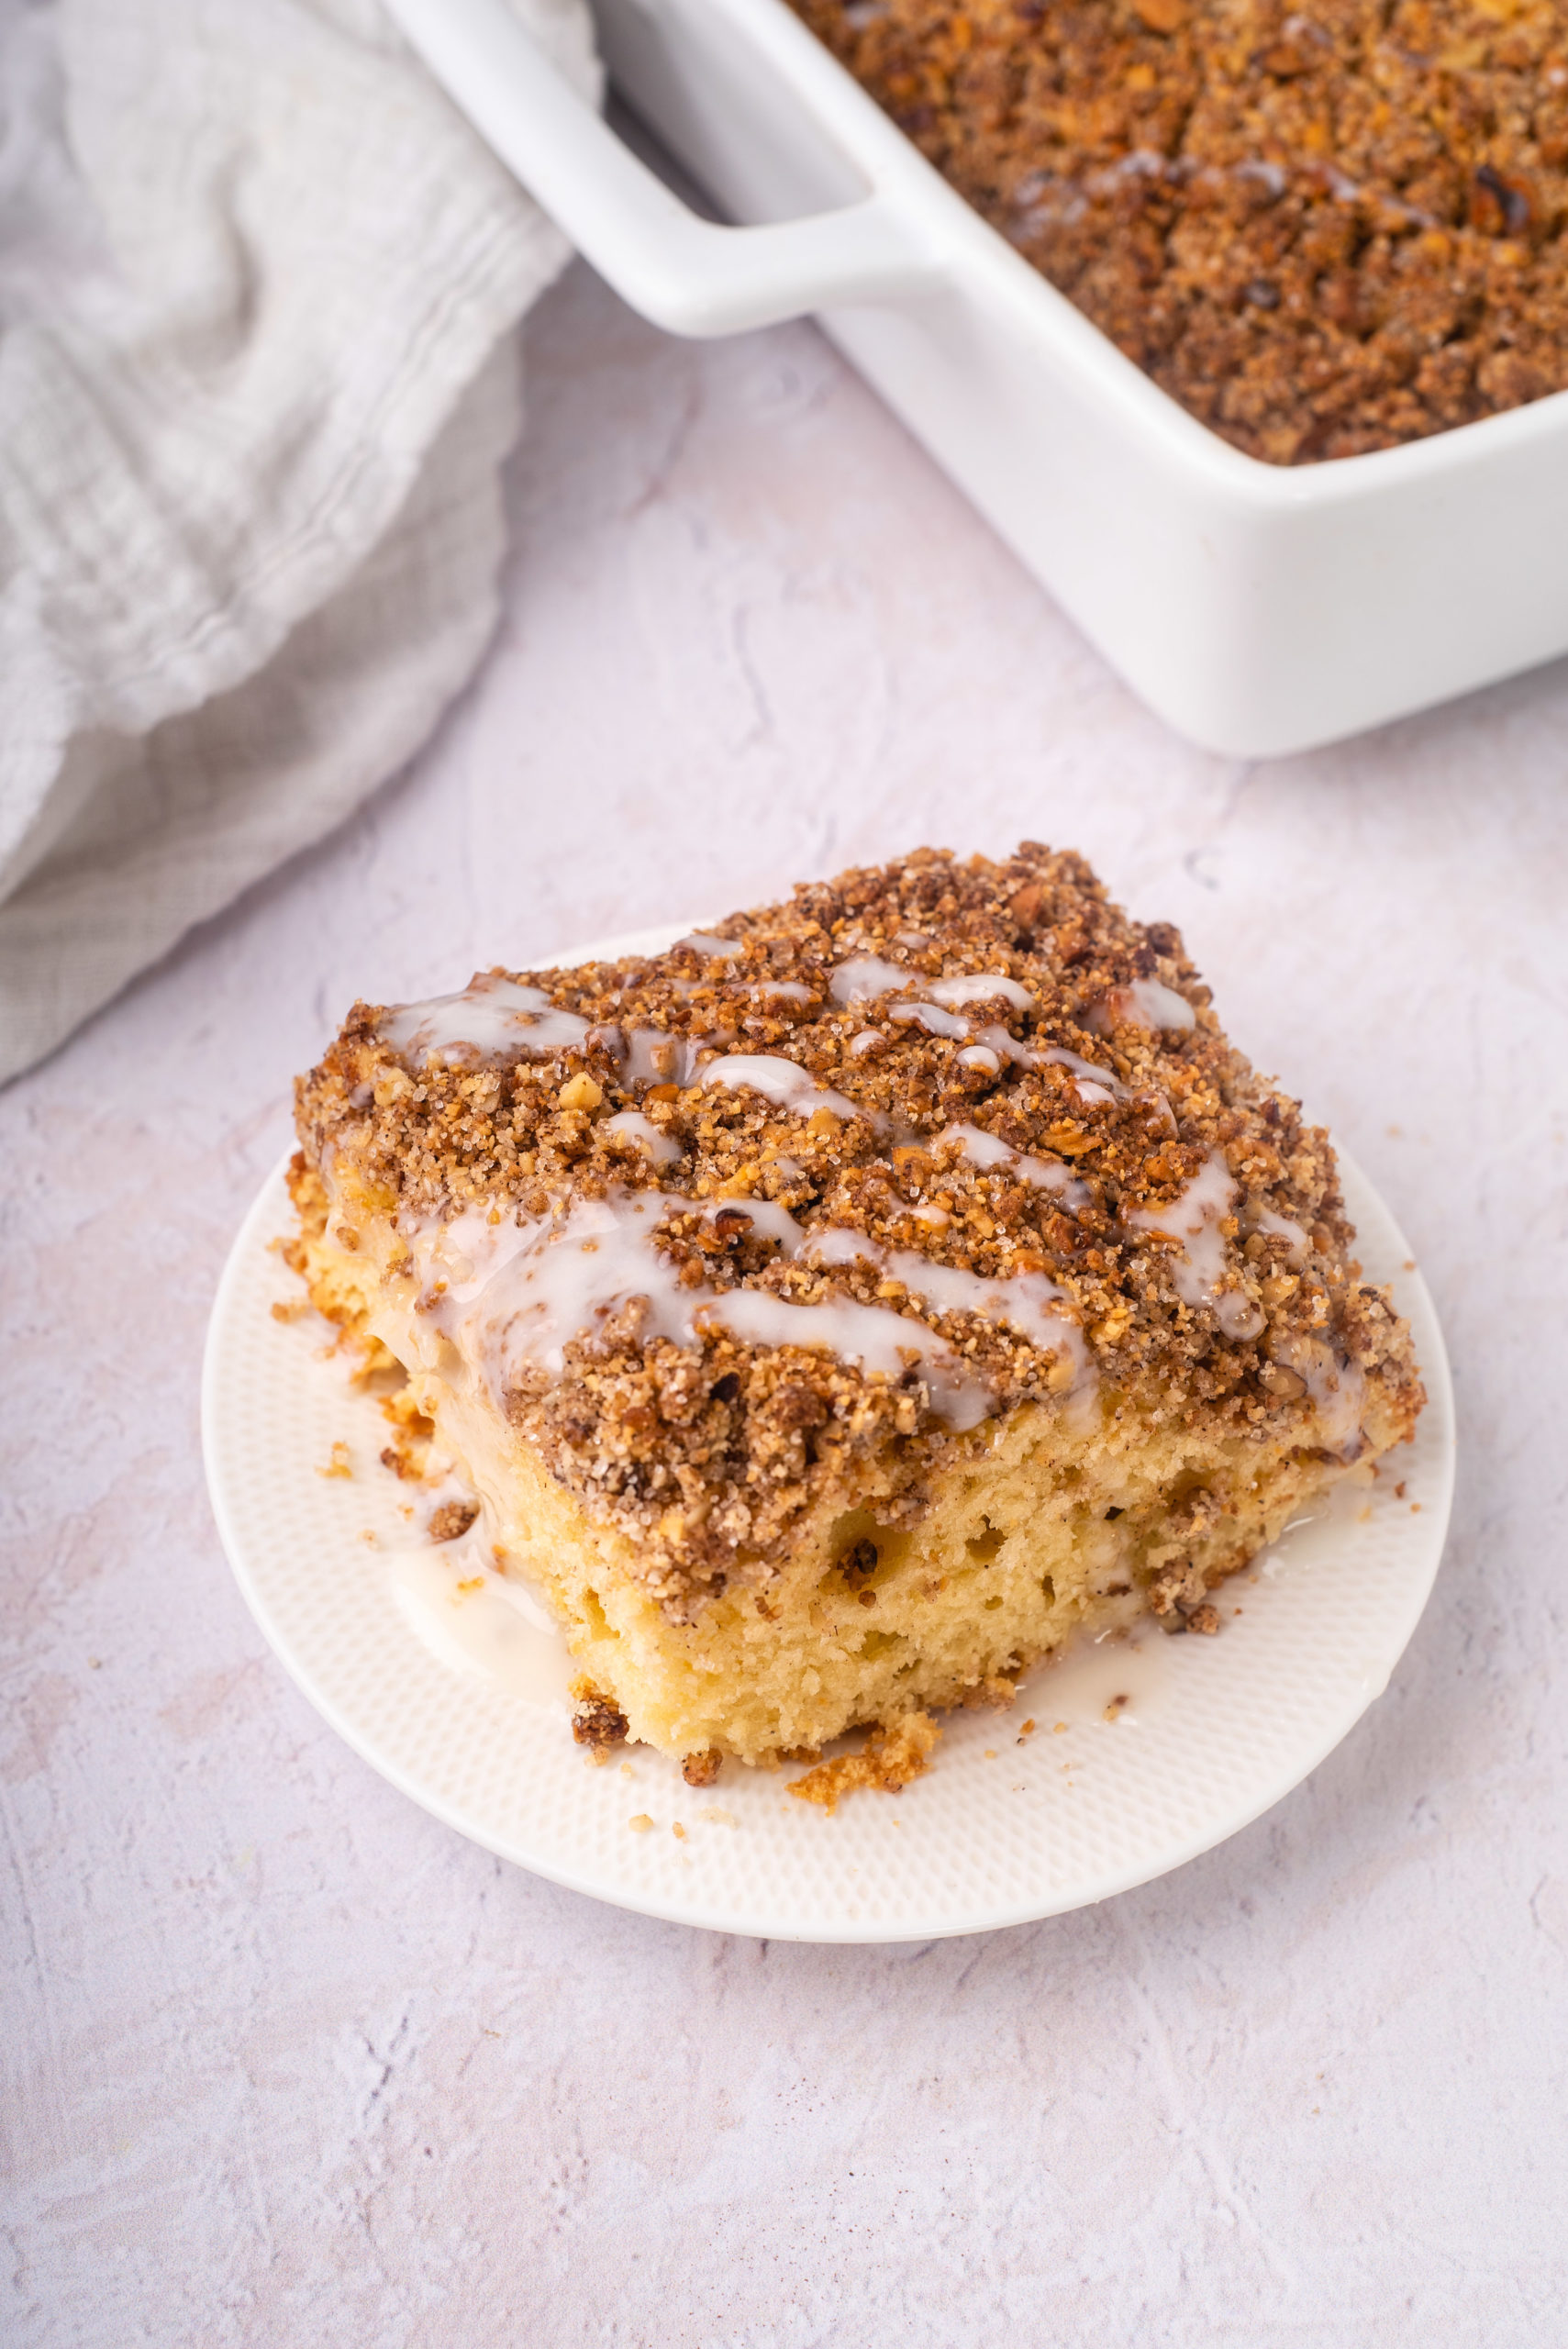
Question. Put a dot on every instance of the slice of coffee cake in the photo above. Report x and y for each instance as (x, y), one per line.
(840, 1311)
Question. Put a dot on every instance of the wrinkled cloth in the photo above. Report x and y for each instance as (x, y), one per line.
(258, 378)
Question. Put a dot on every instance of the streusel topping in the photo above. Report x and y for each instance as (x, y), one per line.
(1324, 228)
(923, 1142)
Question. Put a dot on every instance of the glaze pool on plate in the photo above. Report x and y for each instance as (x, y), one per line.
(1214, 1731)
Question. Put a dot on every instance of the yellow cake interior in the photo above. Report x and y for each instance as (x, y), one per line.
(1049, 1522)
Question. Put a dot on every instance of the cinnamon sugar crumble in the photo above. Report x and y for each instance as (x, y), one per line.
(892, 1758)
(598, 1722)
(710, 1454)
(1323, 230)
(452, 1520)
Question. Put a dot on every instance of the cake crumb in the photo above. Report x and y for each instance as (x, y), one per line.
(678, 1831)
(1203, 1619)
(595, 1722)
(339, 1464)
(452, 1520)
(715, 1814)
(891, 1759)
(639, 1823)
(701, 1769)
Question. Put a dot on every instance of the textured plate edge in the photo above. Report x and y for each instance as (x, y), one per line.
(1431, 1352)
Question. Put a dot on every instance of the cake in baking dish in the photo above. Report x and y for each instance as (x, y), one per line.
(840, 1311)
(1325, 229)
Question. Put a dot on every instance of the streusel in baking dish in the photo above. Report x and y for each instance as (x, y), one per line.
(1323, 230)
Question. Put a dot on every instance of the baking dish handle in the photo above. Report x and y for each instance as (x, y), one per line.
(685, 273)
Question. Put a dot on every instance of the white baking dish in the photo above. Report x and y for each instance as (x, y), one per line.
(1259, 609)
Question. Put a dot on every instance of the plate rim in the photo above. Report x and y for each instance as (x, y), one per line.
(1436, 1376)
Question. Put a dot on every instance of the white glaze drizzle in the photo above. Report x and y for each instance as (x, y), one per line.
(1281, 1227)
(1028, 1303)
(719, 950)
(1143, 1003)
(878, 1340)
(1092, 1083)
(972, 1142)
(1194, 1219)
(494, 1017)
(931, 1019)
(866, 977)
(489, 1016)
(1336, 1389)
(764, 1216)
(986, 1150)
(867, 1041)
(978, 986)
(518, 1292)
(994, 1038)
(659, 1149)
(791, 990)
(782, 1082)
(651, 1057)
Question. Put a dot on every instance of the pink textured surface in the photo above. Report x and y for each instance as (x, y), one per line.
(285, 2058)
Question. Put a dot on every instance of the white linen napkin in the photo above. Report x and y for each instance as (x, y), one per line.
(257, 381)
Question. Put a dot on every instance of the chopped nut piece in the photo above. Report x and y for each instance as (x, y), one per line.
(1161, 16)
(596, 1722)
(451, 1520)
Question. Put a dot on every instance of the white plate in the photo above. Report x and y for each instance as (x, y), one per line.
(1001, 1830)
